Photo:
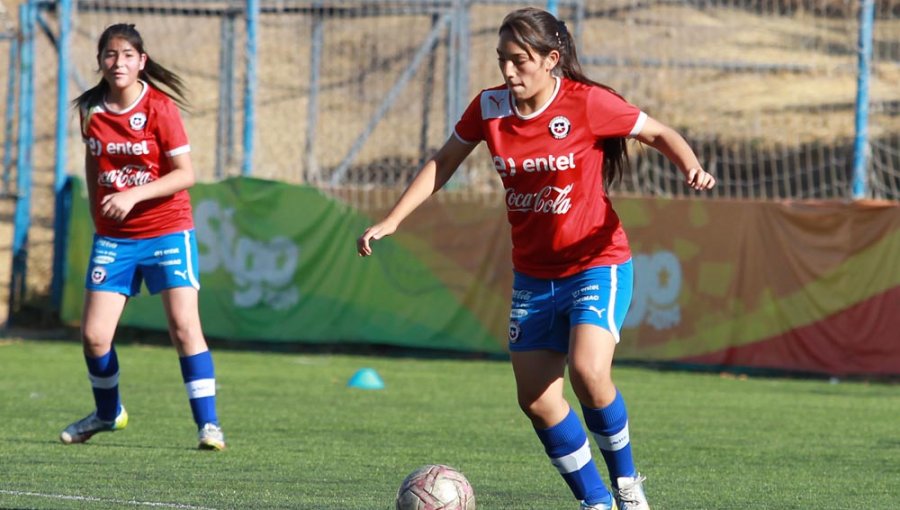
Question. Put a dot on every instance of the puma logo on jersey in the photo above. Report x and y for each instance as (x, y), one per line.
(494, 104)
(598, 311)
(182, 274)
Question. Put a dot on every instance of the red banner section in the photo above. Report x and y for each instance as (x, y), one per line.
(811, 287)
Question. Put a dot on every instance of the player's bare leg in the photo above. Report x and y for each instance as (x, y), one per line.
(182, 310)
(98, 327)
(540, 382)
(591, 351)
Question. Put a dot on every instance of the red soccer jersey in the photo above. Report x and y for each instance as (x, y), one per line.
(551, 165)
(132, 148)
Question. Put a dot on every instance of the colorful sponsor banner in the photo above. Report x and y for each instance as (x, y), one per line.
(279, 263)
(797, 286)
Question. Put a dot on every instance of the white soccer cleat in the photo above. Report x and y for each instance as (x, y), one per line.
(599, 506)
(85, 428)
(629, 493)
(211, 437)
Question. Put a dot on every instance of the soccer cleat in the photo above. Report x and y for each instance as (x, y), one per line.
(599, 506)
(211, 437)
(629, 493)
(85, 428)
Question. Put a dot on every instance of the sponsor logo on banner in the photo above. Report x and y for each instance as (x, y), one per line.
(262, 270)
(657, 285)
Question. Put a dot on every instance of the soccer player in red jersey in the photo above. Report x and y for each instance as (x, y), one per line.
(138, 169)
(558, 140)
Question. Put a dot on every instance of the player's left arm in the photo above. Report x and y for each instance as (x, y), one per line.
(669, 142)
(181, 176)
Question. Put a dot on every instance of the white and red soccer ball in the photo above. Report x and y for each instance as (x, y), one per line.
(435, 487)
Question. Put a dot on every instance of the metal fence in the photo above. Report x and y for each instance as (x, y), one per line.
(359, 92)
(354, 94)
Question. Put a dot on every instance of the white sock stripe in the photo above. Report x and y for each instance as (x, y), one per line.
(201, 388)
(614, 442)
(573, 461)
(104, 383)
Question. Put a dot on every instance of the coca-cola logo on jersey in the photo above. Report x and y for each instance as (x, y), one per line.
(549, 200)
(128, 176)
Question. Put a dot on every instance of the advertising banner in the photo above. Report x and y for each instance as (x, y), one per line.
(812, 287)
(279, 263)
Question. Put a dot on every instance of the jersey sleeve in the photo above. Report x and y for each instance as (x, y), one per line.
(610, 116)
(170, 131)
(84, 120)
(470, 129)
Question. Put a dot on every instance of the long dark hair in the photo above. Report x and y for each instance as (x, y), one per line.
(538, 30)
(153, 73)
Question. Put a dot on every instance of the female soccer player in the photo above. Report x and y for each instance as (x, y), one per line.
(138, 169)
(558, 141)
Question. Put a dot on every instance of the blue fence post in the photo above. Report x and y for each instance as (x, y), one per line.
(553, 7)
(22, 213)
(60, 190)
(861, 142)
(250, 86)
(9, 121)
(225, 120)
(317, 43)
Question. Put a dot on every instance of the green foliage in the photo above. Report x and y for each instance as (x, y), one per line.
(298, 437)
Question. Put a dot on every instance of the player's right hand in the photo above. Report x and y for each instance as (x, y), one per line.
(373, 233)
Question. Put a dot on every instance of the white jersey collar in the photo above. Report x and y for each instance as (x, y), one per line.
(543, 106)
(144, 89)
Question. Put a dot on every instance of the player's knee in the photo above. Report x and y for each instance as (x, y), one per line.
(536, 408)
(96, 342)
(591, 385)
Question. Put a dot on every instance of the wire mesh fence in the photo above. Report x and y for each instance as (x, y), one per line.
(358, 92)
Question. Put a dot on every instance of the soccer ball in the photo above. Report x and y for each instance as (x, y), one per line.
(435, 487)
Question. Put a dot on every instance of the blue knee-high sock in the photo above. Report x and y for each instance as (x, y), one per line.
(200, 382)
(609, 426)
(104, 375)
(567, 446)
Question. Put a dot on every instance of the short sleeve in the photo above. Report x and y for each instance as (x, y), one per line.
(171, 135)
(84, 120)
(611, 116)
(470, 128)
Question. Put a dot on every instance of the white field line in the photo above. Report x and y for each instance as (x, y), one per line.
(103, 500)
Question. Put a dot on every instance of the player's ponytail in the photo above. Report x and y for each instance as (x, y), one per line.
(540, 31)
(153, 73)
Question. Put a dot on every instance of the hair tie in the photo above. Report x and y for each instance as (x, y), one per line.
(561, 32)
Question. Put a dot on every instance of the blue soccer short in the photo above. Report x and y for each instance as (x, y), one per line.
(543, 311)
(164, 262)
